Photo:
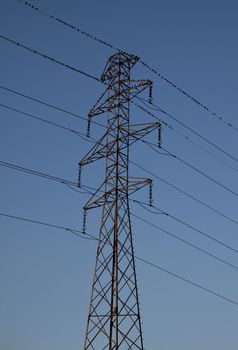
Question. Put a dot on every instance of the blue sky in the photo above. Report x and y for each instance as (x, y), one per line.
(46, 274)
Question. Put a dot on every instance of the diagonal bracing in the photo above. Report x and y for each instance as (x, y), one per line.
(114, 320)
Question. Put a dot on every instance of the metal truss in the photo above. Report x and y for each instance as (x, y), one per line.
(114, 320)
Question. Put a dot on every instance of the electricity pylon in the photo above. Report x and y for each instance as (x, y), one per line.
(114, 320)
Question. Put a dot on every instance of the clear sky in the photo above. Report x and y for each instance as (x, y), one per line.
(46, 273)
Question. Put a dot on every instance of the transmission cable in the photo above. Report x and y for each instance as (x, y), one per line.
(37, 173)
(48, 122)
(186, 224)
(102, 125)
(93, 77)
(49, 105)
(67, 182)
(147, 66)
(29, 171)
(87, 139)
(186, 242)
(92, 237)
(184, 279)
(67, 24)
(179, 133)
(65, 65)
(190, 166)
(75, 184)
(7, 164)
(183, 192)
(186, 127)
(50, 58)
(201, 173)
(74, 231)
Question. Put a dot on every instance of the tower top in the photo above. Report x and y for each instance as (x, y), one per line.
(119, 58)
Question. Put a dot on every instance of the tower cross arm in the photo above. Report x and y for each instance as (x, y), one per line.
(129, 88)
(134, 184)
(103, 148)
(138, 131)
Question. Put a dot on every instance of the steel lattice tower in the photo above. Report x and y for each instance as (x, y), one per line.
(114, 320)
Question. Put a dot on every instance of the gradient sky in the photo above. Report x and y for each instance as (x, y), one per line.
(46, 274)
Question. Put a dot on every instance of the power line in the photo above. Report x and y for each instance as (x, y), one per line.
(52, 178)
(185, 279)
(188, 128)
(184, 192)
(41, 174)
(63, 181)
(147, 66)
(190, 97)
(90, 76)
(201, 173)
(70, 183)
(195, 133)
(46, 121)
(181, 134)
(140, 258)
(74, 184)
(88, 192)
(37, 173)
(49, 58)
(88, 139)
(92, 237)
(71, 113)
(77, 190)
(74, 231)
(186, 242)
(67, 24)
(152, 145)
(100, 81)
(185, 224)
(184, 136)
(49, 105)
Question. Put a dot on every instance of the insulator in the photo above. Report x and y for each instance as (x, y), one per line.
(79, 176)
(150, 93)
(150, 194)
(89, 126)
(84, 221)
(159, 136)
